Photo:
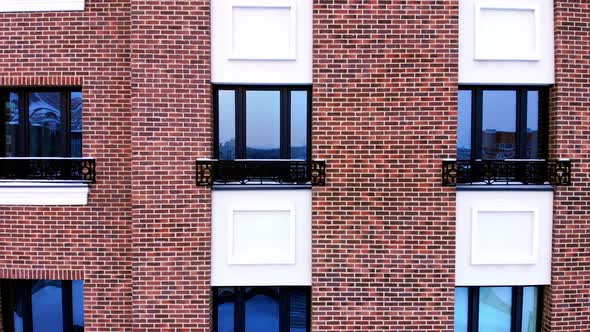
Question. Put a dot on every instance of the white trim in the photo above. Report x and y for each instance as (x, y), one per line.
(40, 5)
(479, 259)
(277, 4)
(508, 6)
(269, 259)
(43, 193)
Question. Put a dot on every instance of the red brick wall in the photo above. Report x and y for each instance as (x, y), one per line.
(567, 303)
(90, 49)
(384, 116)
(171, 128)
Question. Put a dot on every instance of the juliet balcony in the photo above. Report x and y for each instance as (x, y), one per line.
(506, 172)
(263, 172)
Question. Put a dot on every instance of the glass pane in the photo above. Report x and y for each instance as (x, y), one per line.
(262, 314)
(464, 126)
(461, 308)
(298, 311)
(532, 125)
(263, 124)
(499, 124)
(298, 124)
(495, 305)
(45, 134)
(76, 124)
(225, 310)
(78, 304)
(19, 308)
(530, 299)
(47, 305)
(11, 124)
(227, 124)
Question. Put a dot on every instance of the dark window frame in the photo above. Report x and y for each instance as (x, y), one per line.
(240, 117)
(521, 117)
(516, 308)
(23, 146)
(10, 287)
(240, 296)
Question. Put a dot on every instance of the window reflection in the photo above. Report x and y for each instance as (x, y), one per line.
(495, 308)
(262, 312)
(530, 300)
(45, 131)
(461, 308)
(76, 124)
(499, 124)
(464, 126)
(47, 306)
(299, 125)
(298, 311)
(263, 124)
(11, 123)
(227, 124)
(532, 126)
(78, 305)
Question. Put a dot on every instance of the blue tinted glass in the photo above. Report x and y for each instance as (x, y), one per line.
(298, 124)
(298, 311)
(76, 124)
(227, 124)
(262, 314)
(461, 308)
(45, 134)
(47, 304)
(530, 299)
(78, 303)
(263, 124)
(225, 309)
(464, 126)
(532, 125)
(19, 306)
(499, 124)
(11, 124)
(495, 308)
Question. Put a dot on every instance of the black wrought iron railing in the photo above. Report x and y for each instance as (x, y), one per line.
(507, 172)
(56, 169)
(260, 172)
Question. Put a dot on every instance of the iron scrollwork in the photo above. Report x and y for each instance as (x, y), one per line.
(507, 172)
(260, 172)
(55, 169)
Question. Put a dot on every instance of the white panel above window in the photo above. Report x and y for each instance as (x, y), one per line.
(506, 42)
(40, 5)
(261, 41)
(503, 237)
(261, 237)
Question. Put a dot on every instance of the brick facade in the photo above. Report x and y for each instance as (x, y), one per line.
(385, 84)
(88, 49)
(384, 116)
(567, 302)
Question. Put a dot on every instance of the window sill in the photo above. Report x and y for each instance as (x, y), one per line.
(22, 192)
(41, 5)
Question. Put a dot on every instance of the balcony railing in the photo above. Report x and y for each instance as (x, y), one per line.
(506, 172)
(260, 172)
(54, 169)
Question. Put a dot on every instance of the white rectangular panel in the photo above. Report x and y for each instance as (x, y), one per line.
(43, 193)
(259, 235)
(503, 237)
(40, 5)
(263, 33)
(503, 33)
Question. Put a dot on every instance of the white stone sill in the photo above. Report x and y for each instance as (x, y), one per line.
(41, 5)
(21, 192)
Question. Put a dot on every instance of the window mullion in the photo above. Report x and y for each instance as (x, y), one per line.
(516, 309)
(285, 124)
(284, 317)
(66, 303)
(473, 311)
(240, 123)
(476, 119)
(65, 146)
(521, 123)
(23, 126)
(240, 309)
(4, 97)
(28, 305)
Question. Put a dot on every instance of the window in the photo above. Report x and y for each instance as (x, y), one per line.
(262, 122)
(41, 123)
(498, 309)
(497, 123)
(261, 309)
(42, 305)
